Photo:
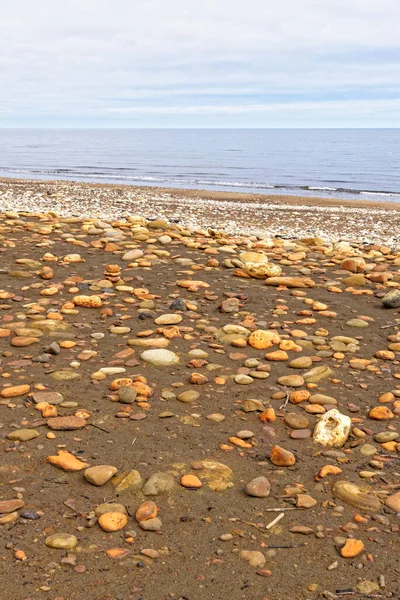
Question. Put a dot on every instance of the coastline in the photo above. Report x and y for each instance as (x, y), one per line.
(288, 216)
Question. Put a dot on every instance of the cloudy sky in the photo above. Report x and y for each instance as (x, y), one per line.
(200, 63)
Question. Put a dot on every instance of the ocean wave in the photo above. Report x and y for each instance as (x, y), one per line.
(120, 174)
(322, 188)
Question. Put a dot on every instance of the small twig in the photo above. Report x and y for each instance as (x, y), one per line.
(282, 509)
(284, 405)
(286, 545)
(275, 521)
(390, 325)
(252, 524)
(100, 427)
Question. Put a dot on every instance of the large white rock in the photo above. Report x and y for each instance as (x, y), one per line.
(332, 429)
(160, 357)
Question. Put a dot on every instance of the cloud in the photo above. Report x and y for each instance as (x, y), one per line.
(102, 62)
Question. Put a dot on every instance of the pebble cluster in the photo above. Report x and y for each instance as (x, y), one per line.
(289, 217)
(193, 414)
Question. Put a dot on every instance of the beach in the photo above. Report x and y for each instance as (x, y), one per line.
(288, 216)
(189, 410)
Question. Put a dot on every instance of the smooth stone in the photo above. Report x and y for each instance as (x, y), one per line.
(30, 515)
(302, 529)
(66, 423)
(158, 483)
(154, 524)
(245, 434)
(281, 457)
(291, 380)
(253, 406)
(296, 421)
(368, 450)
(156, 343)
(351, 494)
(108, 507)
(317, 374)
(61, 541)
(391, 299)
(119, 330)
(188, 396)
(300, 434)
(8, 518)
(99, 475)
(133, 255)
(216, 417)
(357, 323)
(171, 319)
(9, 506)
(112, 370)
(259, 487)
(322, 399)
(191, 482)
(23, 435)
(127, 394)
(49, 397)
(113, 521)
(392, 502)
(305, 501)
(386, 436)
(64, 375)
(243, 379)
(303, 362)
(160, 357)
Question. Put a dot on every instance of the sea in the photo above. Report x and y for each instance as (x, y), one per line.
(352, 164)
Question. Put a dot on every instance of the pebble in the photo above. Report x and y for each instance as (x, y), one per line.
(160, 358)
(259, 487)
(61, 541)
(100, 474)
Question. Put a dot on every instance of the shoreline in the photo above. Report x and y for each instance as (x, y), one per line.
(236, 213)
(287, 199)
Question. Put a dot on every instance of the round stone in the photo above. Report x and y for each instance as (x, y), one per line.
(291, 380)
(61, 541)
(127, 394)
(158, 483)
(243, 379)
(296, 421)
(160, 357)
(113, 521)
(188, 396)
(191, 481)
(259, 487)
(171, 319)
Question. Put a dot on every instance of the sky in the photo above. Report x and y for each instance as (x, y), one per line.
(200, 63)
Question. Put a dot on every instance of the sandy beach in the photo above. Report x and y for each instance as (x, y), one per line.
(189, 414)
(288, 216)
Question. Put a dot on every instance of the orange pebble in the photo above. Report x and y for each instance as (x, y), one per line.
(268, 415)
(352, 548)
